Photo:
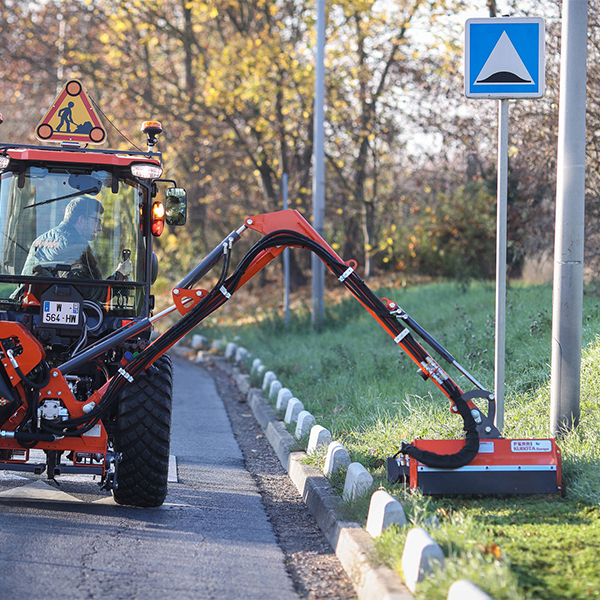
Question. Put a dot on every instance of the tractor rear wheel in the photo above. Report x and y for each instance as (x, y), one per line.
(143, 437)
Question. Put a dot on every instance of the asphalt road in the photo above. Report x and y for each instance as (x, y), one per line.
(211, 539)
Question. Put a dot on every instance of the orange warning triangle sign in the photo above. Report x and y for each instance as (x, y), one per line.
(71, 118)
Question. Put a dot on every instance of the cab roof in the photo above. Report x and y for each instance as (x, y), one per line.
(119, 158)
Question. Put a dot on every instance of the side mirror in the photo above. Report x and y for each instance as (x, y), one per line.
(176, 206)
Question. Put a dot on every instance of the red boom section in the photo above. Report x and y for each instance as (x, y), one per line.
(291, 220)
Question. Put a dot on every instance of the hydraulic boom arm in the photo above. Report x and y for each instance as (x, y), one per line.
(281, 230)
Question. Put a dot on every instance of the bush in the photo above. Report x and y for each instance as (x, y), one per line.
(452, 235)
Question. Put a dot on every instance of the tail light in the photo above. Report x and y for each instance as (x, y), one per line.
(157, 218)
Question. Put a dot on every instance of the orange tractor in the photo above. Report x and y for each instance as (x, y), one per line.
(80, 377)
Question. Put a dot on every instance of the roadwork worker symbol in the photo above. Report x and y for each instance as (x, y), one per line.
(71, 118)
(66, 118)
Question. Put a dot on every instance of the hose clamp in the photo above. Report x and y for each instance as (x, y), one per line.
(346, 274)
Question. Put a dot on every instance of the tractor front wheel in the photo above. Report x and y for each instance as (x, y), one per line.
(143, 437)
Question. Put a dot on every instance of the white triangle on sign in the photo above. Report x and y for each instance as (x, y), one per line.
(504, 65)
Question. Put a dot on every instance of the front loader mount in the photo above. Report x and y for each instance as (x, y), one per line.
(482, 463)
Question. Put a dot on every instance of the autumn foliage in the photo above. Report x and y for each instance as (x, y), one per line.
(410, 171)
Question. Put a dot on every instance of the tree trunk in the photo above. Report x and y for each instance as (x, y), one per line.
(370, 236)
(352, 239)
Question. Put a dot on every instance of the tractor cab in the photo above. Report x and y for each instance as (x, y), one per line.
(77, 224)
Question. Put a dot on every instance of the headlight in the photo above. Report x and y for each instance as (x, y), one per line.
(4, 160)
(146, 171)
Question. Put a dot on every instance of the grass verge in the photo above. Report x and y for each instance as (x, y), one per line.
(356, 384)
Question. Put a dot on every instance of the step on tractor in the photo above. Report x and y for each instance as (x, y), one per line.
(85, 389)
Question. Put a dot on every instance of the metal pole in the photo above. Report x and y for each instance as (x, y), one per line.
(567, 303)
(318, 268)
(501, 210)
(60, 43)
(286, 260)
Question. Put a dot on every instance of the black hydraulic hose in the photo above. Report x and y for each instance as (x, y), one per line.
(353, 282)
(361, 291)
(450, 461)
(106, 344)
(29, 439)
(33, 384)
(208, 262)
(433, 343)
(216, 298)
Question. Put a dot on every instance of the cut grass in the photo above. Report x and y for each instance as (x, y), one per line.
(355, 384)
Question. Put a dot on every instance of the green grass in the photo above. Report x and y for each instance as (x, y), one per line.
(355, 382)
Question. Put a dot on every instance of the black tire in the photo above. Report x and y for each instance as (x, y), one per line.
(143, 437)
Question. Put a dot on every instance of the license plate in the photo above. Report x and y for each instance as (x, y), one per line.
(60, 313)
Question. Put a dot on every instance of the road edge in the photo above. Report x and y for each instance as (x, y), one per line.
(353, 546)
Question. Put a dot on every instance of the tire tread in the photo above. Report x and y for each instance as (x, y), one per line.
(143, 438)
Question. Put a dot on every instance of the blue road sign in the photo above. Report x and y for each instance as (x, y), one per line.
(505, 58)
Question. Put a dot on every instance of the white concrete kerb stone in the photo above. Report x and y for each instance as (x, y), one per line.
(283, 397)
(217, 345)
(358, 482)
(384, 511)
(260, 370)
(240, 354)
(267, 379)
(304, 424)
(230, 350)
(198, 341)
(337, 458)
(294, 408)
(421, 555)
(274, 389)
(465, 590)
(432, 522)
(319, 436)
(255, 364)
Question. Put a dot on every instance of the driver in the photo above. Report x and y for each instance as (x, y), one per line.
(68, 244)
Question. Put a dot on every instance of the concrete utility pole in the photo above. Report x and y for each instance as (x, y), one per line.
(570, 221)
(318, 268)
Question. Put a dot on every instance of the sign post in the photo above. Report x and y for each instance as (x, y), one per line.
(501, 244)
(286, 260)
(318, 267)
(504, 58)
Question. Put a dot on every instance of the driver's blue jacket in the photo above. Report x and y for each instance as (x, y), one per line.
(62, 245)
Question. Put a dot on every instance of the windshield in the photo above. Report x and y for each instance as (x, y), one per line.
(64, 222)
